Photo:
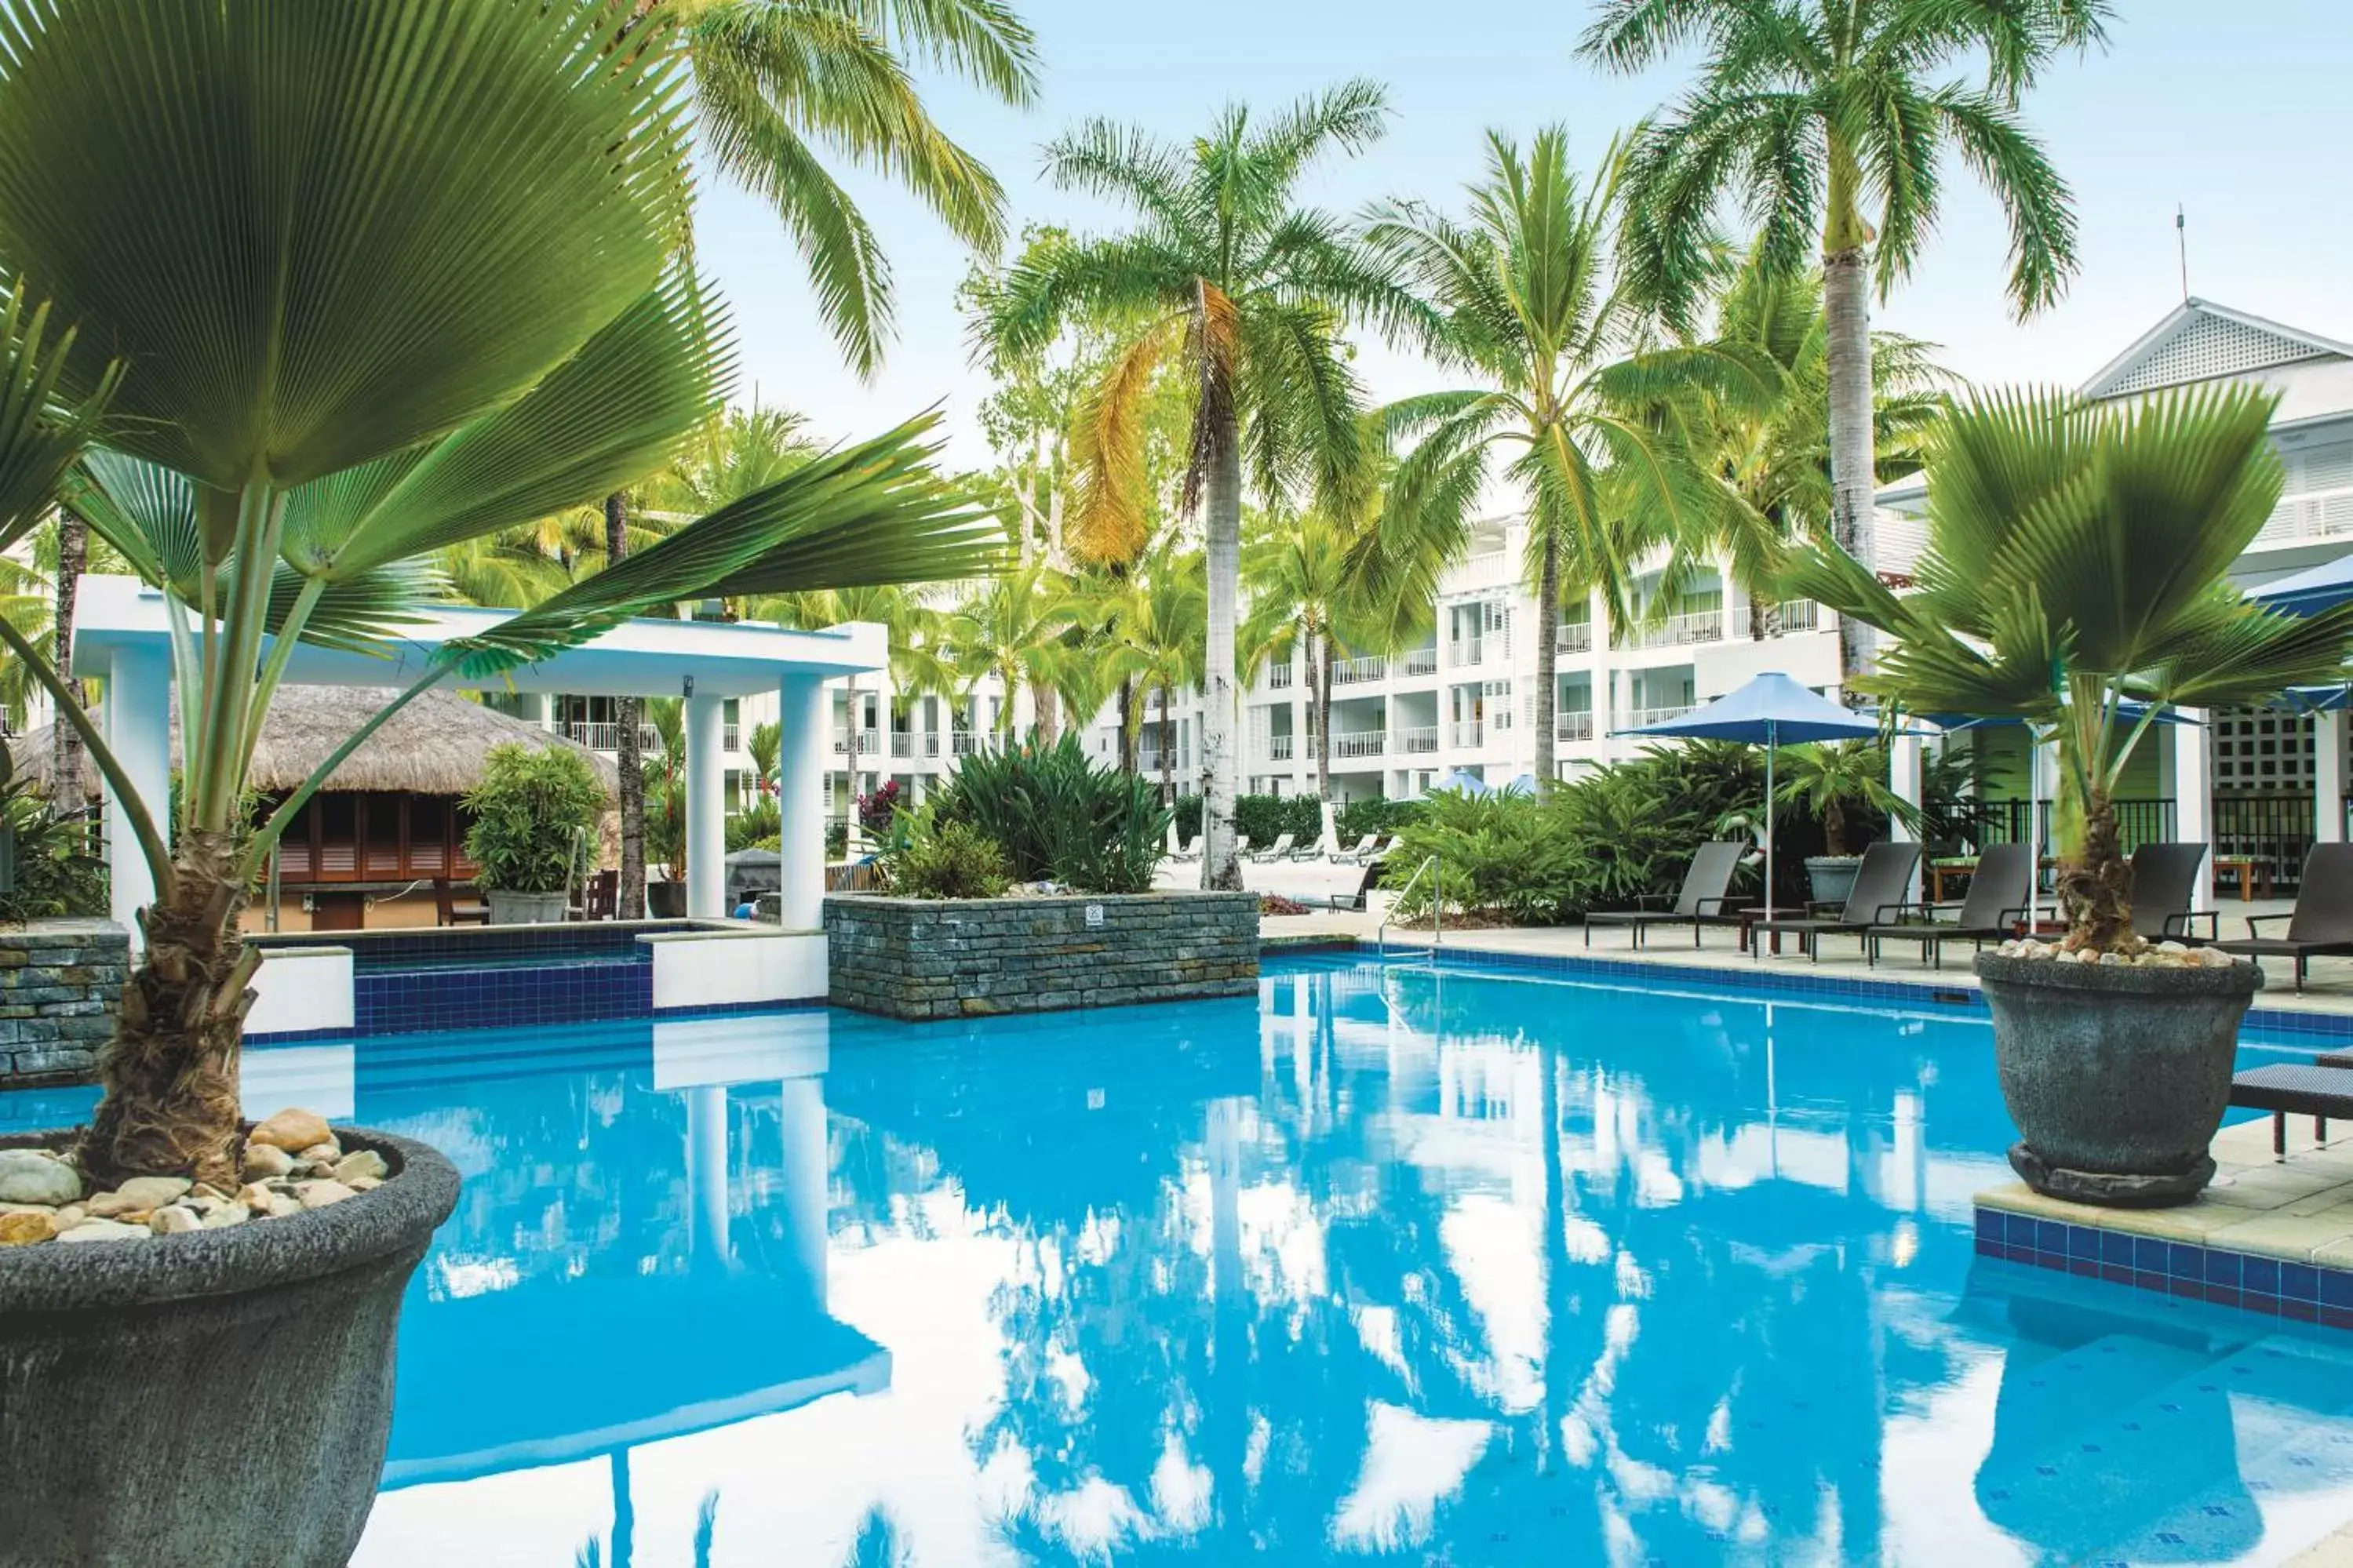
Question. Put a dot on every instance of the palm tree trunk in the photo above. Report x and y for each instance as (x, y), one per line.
(1548, 660)
(1221, 867)
(1127, 724)
(2095, 885)
(1320, 673)
(631, 901)
(170, 1070)
(73, 555)
(1168, 744)
(1846, 310)
(1050, 712)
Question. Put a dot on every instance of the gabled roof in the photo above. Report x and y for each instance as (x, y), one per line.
(2201, 341)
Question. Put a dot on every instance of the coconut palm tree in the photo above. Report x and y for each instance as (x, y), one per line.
(1011, 627)
(1824, 117)
(1562, 343)
(1151, 626)
(329, 389)
(1249, 292)
(2078, 559)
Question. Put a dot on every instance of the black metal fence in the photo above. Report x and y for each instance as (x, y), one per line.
(2139, 821)
(2274, 831)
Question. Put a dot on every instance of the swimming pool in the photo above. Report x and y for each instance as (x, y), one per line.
(1405, 1264)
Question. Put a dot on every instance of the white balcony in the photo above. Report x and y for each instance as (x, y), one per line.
(1278, 748)
(1679, 631)
(1278, 676)
(902, 744)
(1572, 726)
(964, 742)
(1573, 637)
(1359, 742)
(1464, 651)
(1418, 739)
(1419, 661)
(1469, 732)
(2320, 514)
(1356, 672)
(1488, 569)
(604, 737)
(1635, 718)
(731, 737)
(864, 742)
(1797, 615)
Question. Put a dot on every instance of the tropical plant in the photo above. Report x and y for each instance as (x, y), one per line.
(759, 825)
(294, 445)
(1824, 117)
(1145, 630)
(1246, 291)
(763, 745)
(665, 786)
(45, 866)
(1011, 626)
(531, 812)
(1844, 784)
(1060, 818)
(877, 808)
(938, 856)
(1560, 339)
(2077, 559)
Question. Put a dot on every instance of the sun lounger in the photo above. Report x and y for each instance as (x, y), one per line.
(1278, 850)
(1883, 891)
(1364, 885)
(1701, 902)
(2291, 1088)
(1356, 856)
(2322, 921)
(1994, 907)
(2164, 881)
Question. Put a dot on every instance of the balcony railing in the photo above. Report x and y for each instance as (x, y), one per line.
(902, 744)
(1278, 748)
(1570, 726)
(1635, 718)
(2322, 514)
(1675, 631)
(1469, 732)
(1464, 650)
(1419, 661)
(1573, 637)
(866, 741)
(1278, 676)
(964, 742)
(1797, 615)
(1353, 671)
(1359, 742)
(731, 737)
(606, 737)
(1418, 739)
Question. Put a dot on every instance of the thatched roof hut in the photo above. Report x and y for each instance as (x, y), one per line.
(434, 746)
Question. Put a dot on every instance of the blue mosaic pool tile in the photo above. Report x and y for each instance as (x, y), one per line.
(2218, 1276)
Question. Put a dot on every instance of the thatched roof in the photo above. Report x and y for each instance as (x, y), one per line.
(433, 746)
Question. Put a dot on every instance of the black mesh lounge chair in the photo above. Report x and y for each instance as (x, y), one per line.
(2322, 1091)
(1358, 899)
(1701, 902)
(1883, 891)
(1995, 904)
(2321, 922)
(2164, 880)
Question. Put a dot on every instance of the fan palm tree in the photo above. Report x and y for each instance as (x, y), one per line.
(1249, 292)
(1570, 374)
(2078, 557)
(1823, 116)
(1776, 455)
(329, 389)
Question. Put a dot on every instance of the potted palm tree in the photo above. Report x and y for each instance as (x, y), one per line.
(338, 251)
(531, 813)
(1843, 783)
(2076, 580)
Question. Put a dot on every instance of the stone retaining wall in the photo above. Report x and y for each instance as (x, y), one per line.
(59, 981)
(950, 958)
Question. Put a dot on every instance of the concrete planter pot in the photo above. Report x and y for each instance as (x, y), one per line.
(217, 1398)
(1831, 876)
(666, 900)
(526, 909)
(2116, 1077)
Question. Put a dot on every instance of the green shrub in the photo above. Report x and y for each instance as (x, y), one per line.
(531, 812)
(756, 826)
(47, 869)
(932, 856)
(1384, 817)
(1058, 817)
(1263, 819)
(837, 840)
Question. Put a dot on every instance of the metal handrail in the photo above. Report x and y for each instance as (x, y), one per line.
(1437, 907)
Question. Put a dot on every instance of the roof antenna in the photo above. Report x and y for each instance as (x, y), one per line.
(2181, 243)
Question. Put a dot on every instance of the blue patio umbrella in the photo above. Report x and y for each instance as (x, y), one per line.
(2328, 585)
(1468, 783)
(1772, 710)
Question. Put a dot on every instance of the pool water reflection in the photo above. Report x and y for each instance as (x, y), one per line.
(1391, 1264)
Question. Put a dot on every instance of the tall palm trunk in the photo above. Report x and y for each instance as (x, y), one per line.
(1049, 705)
(73, 555)
(1319, 691)
(1168, 744)
(1846, 311)
(1127, 724)
(1221, 867)
(630, 762)
(1547, 659)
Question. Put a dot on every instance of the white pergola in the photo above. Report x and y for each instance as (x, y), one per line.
(122, 636)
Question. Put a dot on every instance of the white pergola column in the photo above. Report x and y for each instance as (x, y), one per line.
(1904, 779)
(706, 809)
(804, 752)
(706, 1171)
(2329, 777)
(2193, 798)
(138, 718)
(803, 1165)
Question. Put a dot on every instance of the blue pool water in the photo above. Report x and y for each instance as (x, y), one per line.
(1394, 1265)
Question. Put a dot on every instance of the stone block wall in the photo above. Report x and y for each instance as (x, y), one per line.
(954, 957)
(59, 981)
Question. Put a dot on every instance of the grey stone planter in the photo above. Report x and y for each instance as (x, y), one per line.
(526, 909)
(2116, 1077)
(666, 900)
(1831, 876)
(217, 1398)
